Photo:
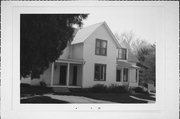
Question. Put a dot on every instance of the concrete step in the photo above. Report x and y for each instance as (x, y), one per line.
(61, 90)
(76, 89)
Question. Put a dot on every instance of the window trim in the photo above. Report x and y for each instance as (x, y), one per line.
(126, 53)
(96, 64)
(100, 40)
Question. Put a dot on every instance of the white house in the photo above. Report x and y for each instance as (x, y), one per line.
(94, 56)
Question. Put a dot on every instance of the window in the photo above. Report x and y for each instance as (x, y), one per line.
(122, 53)
(100, 72)
(101, 47)
(125, 75)
(118, 75)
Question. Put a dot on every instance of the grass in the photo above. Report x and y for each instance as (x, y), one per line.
(113, 97)
(34, 90)
(41, 100)
(30, 91)
(117, 98)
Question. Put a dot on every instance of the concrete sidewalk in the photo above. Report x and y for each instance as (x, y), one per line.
(149, 101)
(76, 99)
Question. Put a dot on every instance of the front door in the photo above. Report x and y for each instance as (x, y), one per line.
(62, 77)
(74, 75)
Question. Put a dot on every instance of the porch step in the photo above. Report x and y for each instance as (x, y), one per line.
(75, 89)
(61, 90)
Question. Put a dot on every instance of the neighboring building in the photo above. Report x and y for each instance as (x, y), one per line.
(94, 56)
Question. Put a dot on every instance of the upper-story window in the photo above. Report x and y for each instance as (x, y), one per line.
(122, 53)
(101, 47)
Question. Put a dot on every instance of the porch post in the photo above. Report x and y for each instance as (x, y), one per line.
(122, 74)
(138, 76)
(52, 73)
(67, 82)
(129, 72)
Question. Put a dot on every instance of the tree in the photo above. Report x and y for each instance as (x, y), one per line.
(146, 56)
(43, 37)
(145, 52)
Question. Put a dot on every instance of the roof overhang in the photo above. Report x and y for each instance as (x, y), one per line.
(113, 37)
(79, 38)
(125, 64)
(73, 61)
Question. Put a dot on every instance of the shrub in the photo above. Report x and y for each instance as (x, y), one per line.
(139, 90)
(35, 90)
(98, 88)
(42, 83)
(24, 85)
(117, 89)
(145, 85)
(153, 91)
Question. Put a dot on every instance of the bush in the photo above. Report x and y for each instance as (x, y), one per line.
(139, 90)
(35, 90)
(98, 88)
(24, 85)
(153, 91)
(117, 89)
(43, 84)
(145, 85)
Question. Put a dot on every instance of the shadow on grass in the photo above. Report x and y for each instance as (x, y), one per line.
(27, 91)
(113, 97)
(41, 100)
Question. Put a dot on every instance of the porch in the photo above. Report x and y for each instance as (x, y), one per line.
(127, 73)
(67, 73)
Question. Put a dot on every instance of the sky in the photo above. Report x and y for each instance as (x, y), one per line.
(144, 22)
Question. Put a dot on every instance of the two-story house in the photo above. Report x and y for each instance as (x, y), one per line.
(93, 57)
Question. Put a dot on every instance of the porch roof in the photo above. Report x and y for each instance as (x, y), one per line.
(75, 61)
(125, 64)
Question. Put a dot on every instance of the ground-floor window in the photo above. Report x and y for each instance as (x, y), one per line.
(100, 72)
(122, 74)
(125, 75)
(118, 75)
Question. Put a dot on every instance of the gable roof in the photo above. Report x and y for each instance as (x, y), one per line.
(84, 33)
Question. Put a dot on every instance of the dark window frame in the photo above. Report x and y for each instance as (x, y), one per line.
(118, 75)
(125, 74)
(100, 48)
(122, 54)
(104, 73)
